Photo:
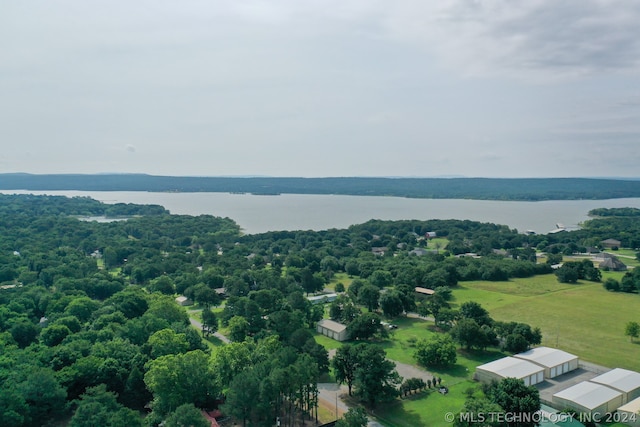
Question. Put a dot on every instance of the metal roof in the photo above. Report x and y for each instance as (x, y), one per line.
(332, 325)
(510, 367)
(633, 406)
(620, 379)
(588, 395)
(546, 356)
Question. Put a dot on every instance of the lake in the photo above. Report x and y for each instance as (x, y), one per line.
(257, 214)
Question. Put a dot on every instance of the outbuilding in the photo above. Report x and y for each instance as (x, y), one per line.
(625, 381)
(424, 291)
(183, 301)
(588, 397)
(332, 329)
(630, 413)
(510, 367)
(555, 362)
(322, 299)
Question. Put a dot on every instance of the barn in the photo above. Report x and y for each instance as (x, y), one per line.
(625, 381)
(510, 367)
(555, 362)
(588, 397)
(332, 329)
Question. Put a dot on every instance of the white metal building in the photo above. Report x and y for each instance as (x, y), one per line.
(555, 362)
(630, 413)
(625, 381)
(332, 329)
(510, 367)
(322, 299)
(588, 397)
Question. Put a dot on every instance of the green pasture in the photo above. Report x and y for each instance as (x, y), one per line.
(583, 318)
(343, 278)
(425, 409)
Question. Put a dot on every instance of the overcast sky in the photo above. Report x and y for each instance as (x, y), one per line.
(495, 88)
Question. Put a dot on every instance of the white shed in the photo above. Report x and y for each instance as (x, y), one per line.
(588, 397)
(555, 362)
(630, 413)
(510, 367)
(625, 381)
(332, 329)
(183, 301)
(322, 299)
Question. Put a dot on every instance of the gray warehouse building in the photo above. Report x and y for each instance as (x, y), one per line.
(555, 362)
(510, 367)
(625, 381)
(588, 397)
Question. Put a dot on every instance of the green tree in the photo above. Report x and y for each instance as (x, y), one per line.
(98, 407)
(241, 396)
(632, 330)
(376, 379)
(176, 379)
(54, 334)
(473, 310)
(440, 350)
(514, 397)
(369, 296)
(209, 322)
(391, 303)
(186, 415)
(43, 394)
(355, 417)
(366, 326)
(167, 341)
(344, 363)
(238, 328)
(24, 332)
(479, 412)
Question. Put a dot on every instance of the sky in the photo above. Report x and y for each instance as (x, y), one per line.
(476, 88)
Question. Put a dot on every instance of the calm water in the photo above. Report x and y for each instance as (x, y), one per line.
(256, 214)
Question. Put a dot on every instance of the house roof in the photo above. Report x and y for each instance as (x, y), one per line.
(546, 356)
(620, 379)
(424, 291)
(613, 263)
(611, 241)
(332, 325)
(511, 367)
(588, 395)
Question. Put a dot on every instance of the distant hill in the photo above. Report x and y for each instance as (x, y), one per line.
(434, 188)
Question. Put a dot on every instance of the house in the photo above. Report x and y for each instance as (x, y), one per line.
(418, 252)
(379, 250)
(622, 380)
(332, 329)
(555, 362)
(588, 397)
(610, 244)
(611, 263)
(183, 301)
(510, 367)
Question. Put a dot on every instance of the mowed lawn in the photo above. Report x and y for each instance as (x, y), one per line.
(583, 318)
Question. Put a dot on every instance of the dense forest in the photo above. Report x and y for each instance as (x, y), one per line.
(435, 188)
(91, 333)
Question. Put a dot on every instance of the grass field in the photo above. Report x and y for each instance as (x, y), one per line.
(583, 319)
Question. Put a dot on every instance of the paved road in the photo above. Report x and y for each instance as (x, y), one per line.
(218, 335)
